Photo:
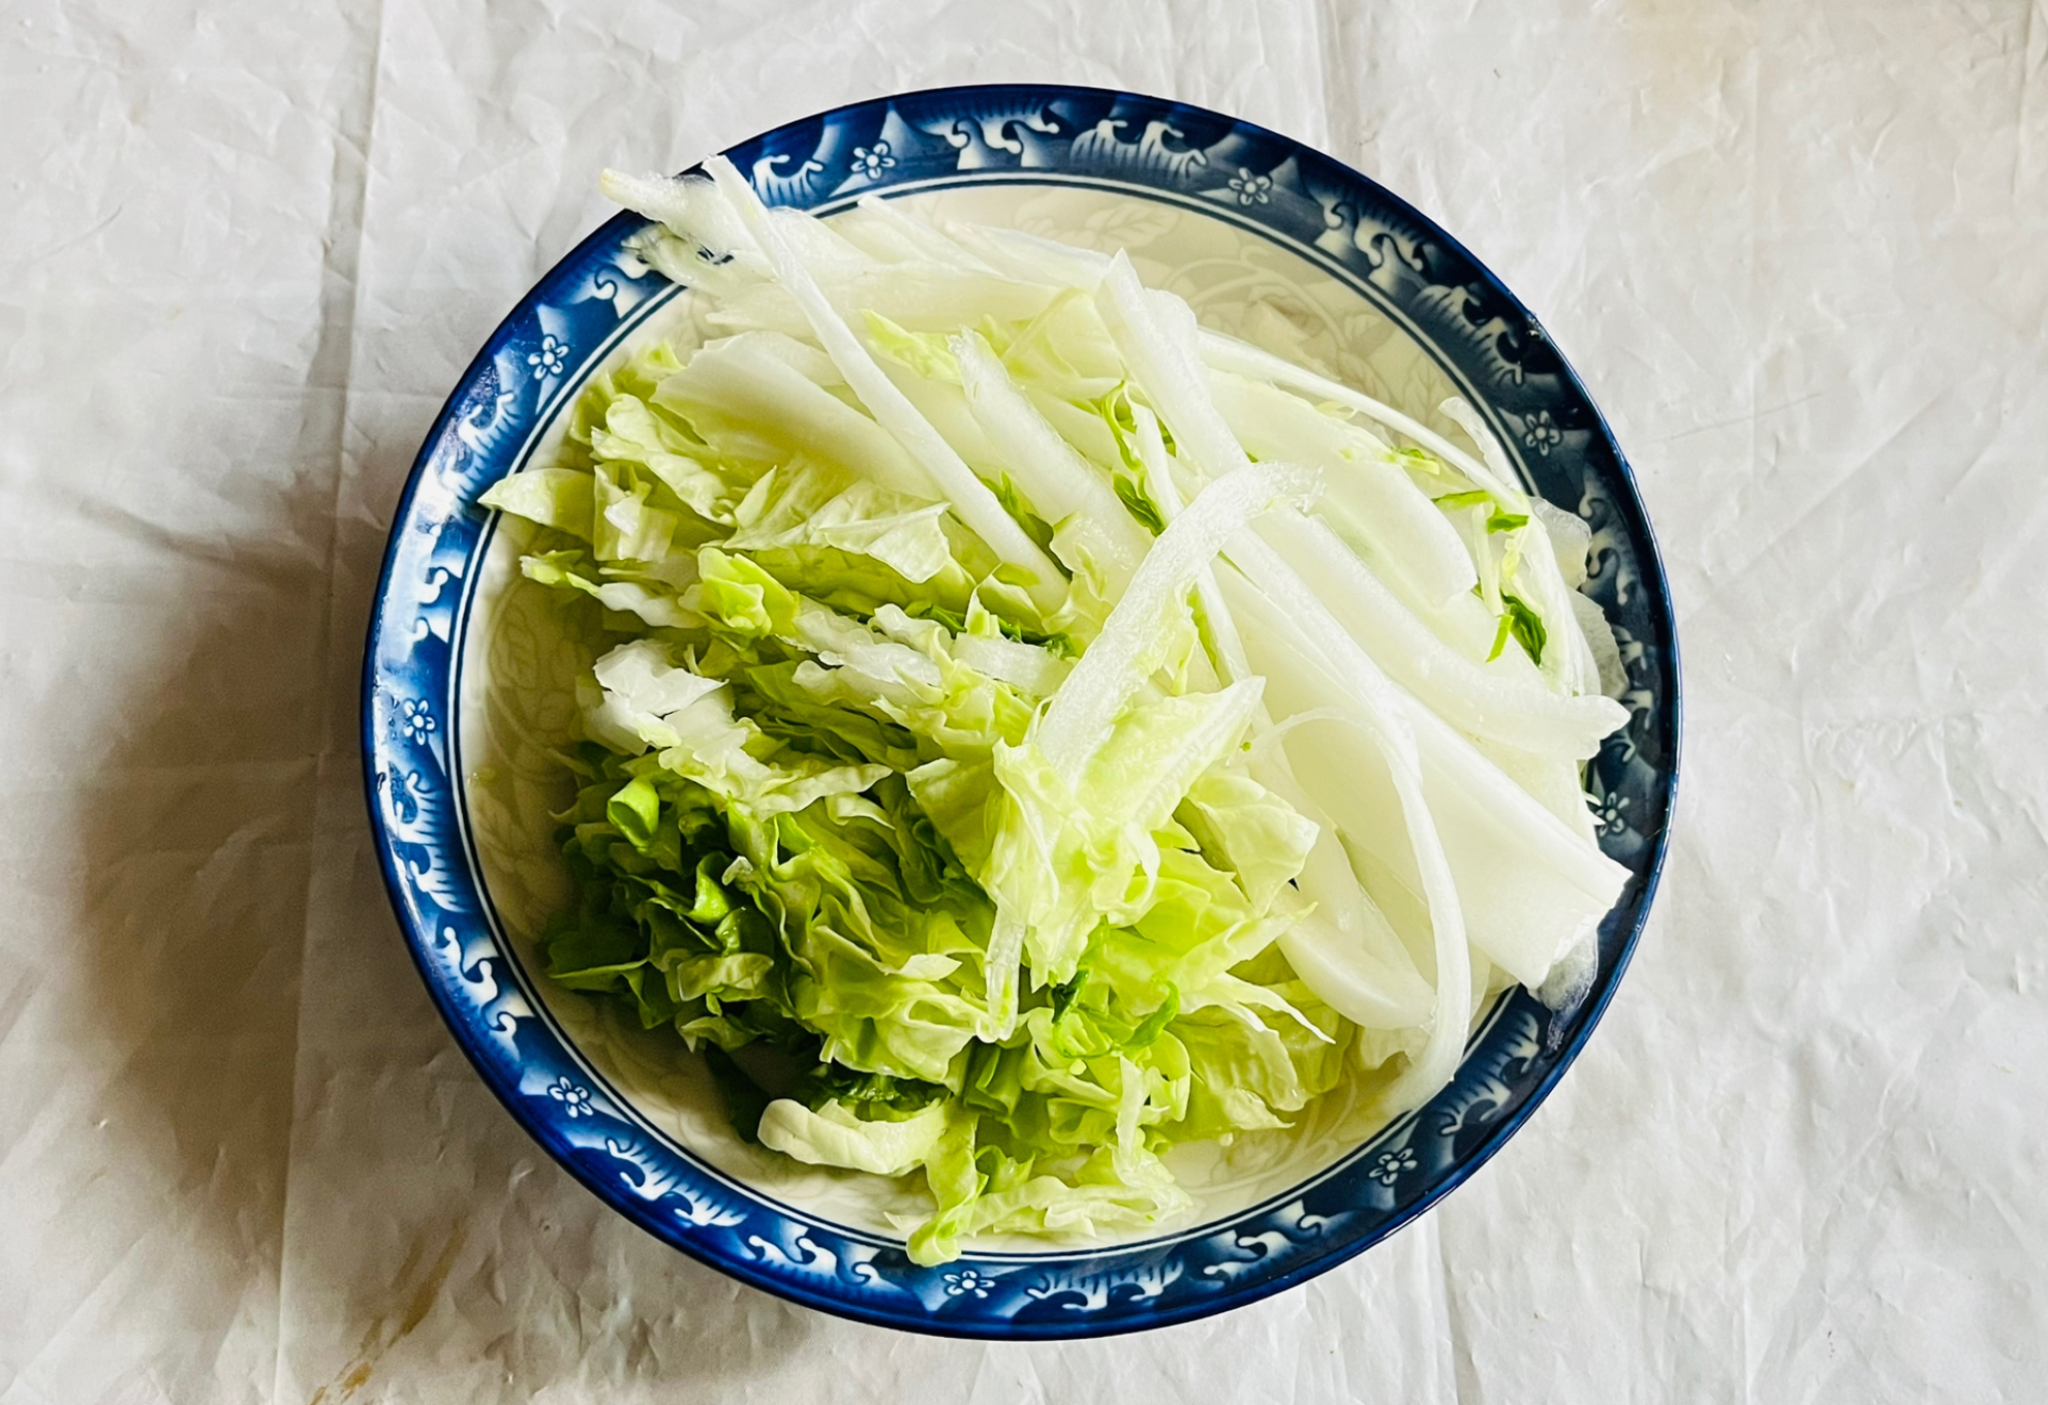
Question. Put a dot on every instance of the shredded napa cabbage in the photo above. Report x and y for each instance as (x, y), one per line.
(1030, 732)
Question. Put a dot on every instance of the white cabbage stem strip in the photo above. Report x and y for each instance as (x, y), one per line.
(1465, 693)
(1502, 485)
(1527, 881)
(1016, 254)
(1079, 718)
(928, 241)
(1343, 950)
(950, 475)
(1144, 318)
(1005, 959)
(1376, 705)
(1227, 353)
(1371, 495)
(1570, 667)
(690, 208)
(1055, 477)
(1168, 372)
(1165, 495)
(1369, 982)
(1111, 670)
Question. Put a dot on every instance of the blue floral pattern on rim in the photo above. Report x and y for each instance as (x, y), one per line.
(1153, 149)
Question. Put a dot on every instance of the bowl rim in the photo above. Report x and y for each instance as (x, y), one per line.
(1664, 714)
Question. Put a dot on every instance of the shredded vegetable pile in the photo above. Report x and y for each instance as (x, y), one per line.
(1032, 731)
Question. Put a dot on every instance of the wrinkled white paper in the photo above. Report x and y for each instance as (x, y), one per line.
(1800, 254)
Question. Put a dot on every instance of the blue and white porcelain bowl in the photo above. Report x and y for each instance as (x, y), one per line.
(466, 686)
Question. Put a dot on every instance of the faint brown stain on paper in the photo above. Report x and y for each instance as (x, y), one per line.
(388, 1331)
